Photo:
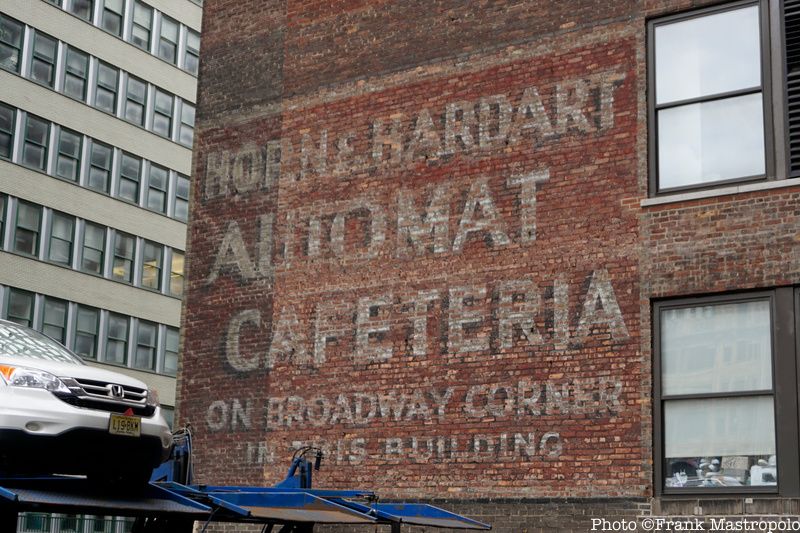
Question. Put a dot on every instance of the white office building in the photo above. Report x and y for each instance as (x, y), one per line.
(97, 110)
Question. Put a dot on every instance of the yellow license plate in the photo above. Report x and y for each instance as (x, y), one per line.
(128, 426)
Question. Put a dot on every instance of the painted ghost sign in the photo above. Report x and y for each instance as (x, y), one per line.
(432, 273)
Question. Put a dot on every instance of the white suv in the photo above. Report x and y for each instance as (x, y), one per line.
(60, 415)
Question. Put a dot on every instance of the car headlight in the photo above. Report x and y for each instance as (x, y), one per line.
(20, 376)
(152, 398)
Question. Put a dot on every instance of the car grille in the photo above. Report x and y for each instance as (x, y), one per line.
(93, 394)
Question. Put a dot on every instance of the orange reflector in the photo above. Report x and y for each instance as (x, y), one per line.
(6, 371)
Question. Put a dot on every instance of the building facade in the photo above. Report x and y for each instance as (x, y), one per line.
(97, 111)
(538, 259)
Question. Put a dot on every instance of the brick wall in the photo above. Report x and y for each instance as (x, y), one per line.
(416, 242)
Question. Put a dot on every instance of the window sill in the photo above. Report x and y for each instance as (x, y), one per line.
(721, 191)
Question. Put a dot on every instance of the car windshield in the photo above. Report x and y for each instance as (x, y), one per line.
(18, 341)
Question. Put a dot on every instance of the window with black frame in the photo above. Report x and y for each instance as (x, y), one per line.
(716, 393)
(707, 119)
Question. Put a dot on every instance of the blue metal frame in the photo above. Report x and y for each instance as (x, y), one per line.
(292, 502)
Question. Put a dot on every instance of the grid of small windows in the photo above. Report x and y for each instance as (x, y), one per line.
(65, 233)
(142, 19)
(110, 86)
(11, 33)
(62, 235)
(95, 333)
(69, 164)
(43, 59)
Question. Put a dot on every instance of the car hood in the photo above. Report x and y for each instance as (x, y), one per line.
(67, 370)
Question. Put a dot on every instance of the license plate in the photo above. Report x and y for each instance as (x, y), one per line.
(128, 426)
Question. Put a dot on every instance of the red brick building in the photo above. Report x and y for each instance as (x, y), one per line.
(535, 258)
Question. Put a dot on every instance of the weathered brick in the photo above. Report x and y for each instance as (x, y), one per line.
(416, 240)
